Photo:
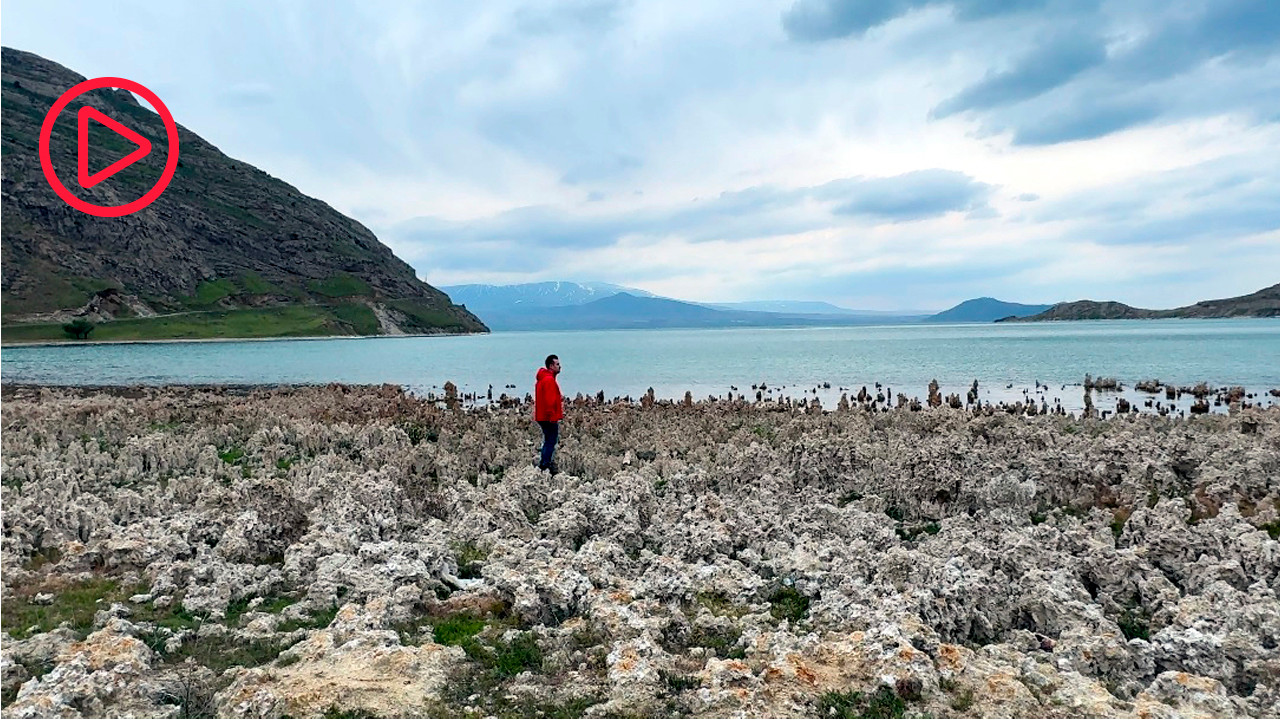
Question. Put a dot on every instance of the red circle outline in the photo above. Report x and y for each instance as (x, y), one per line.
(46, 161)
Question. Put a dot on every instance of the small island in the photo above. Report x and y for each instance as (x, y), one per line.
(1263, 303)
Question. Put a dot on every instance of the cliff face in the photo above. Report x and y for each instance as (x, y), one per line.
(223, 238)
(1264, 303)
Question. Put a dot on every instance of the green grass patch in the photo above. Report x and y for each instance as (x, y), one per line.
(316, 621)
(210, 292)
(883, 703)
(342, 285)
(1272, 528)
(724, 642)
(77, 604)
(493, 662)
(836, 704)
(1118, 520)
(719, 605)
(232, 455)
(522, 653)
(173, 617)
(359, 317)
(470, 559)
(457, 630)
(504, 659)
(425, 317)
(786, 603)
(1135, 623)
(253, 284)
(284, 321)
(497, 658)
(237, 608)
(74, 605)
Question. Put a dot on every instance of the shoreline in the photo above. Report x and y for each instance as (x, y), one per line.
(1020, 323)
(172, 341)
(1164, 399)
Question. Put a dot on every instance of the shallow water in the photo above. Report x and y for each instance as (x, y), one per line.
(1006, 359)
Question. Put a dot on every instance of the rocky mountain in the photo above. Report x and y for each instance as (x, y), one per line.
(985, 309)
(1263, 303)
(226, 250)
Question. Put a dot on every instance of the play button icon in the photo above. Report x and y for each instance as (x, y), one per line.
(88, 113)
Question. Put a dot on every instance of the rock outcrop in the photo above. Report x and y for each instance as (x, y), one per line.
(359, 550)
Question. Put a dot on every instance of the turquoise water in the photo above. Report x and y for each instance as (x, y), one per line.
(626, 362)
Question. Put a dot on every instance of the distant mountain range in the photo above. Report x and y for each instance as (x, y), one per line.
(985, 309)
(594, 306)
(809, 307)
(620, 310)
(1263, 303)
(479, 298)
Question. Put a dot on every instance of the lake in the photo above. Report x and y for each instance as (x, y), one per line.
(1006, 359)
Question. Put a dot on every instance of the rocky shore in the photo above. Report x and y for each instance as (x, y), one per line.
(359, 551)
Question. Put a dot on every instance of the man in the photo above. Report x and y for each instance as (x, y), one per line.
(548, 410)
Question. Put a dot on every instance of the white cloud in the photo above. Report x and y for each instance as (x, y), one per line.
(600, 113)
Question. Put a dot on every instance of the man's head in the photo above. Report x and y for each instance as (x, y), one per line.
(553, 363)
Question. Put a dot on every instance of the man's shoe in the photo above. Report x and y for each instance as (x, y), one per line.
(552, 467)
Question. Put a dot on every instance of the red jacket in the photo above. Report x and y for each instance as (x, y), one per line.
(548, 404)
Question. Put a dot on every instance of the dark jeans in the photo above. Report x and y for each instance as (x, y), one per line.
(550, 433)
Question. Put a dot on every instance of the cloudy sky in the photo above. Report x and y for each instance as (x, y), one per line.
(873, 153)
